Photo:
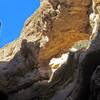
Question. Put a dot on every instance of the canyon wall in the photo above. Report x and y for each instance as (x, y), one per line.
(57, 27)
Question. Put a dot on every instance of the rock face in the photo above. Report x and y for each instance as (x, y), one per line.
(57, 27)
(65, 27)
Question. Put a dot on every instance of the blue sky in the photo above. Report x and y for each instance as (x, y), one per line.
(13, 14)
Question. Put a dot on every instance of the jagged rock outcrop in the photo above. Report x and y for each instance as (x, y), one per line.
(52, 30)
(38, 28)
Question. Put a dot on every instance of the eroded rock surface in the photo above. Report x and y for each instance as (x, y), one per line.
(57, 27)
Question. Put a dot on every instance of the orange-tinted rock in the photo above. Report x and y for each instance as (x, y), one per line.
(70, 26)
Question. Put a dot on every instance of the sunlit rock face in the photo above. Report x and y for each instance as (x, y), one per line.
(50, 60)
(55, 63)
(56, 30)
(72, 19)
(62, 26)
(95, 18)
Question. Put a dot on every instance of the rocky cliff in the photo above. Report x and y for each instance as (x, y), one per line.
(54, 58)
